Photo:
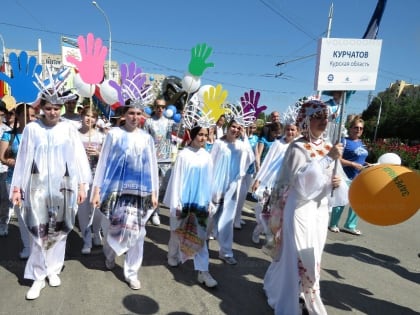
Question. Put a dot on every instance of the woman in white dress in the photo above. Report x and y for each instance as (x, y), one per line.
(300, 214)
(231, 159)
(125, 189)
(188, 197)
(50, 179)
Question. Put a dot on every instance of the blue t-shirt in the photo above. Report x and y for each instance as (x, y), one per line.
(354, 151)
(7, 135)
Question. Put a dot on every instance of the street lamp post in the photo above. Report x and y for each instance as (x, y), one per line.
(379, 118)
(109, 30)
(4, 53)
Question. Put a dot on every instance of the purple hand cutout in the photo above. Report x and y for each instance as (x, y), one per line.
(93, 54)
(132, 79)
(250, 102)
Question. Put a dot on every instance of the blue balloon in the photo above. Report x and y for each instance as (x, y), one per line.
(151, 78)
(148, 110)
(177, 117)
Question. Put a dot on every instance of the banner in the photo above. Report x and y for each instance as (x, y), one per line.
(69, 47)
(345, 64)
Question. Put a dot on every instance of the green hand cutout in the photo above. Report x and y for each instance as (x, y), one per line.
(198, 64)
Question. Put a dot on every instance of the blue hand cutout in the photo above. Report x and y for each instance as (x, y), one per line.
(23, 77)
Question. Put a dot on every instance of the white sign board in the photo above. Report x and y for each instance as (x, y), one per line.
(69, 47)
(347, 64)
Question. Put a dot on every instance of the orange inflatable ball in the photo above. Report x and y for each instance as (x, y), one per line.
(385, 194)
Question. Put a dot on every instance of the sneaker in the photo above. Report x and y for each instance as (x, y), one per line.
(24, 254)
(54, 280)
(86, 250)
(228, 260)
(173, 262)
(206, 278)
(134, 284)
(4, 229)
(109, 264)
(35, 290)
(155, 219)
(97, 239)
(255, 238)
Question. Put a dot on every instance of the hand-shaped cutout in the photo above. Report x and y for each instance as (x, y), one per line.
(91, 65)
(213, 98)
(22, 82)
(198, 64)
(250, 102)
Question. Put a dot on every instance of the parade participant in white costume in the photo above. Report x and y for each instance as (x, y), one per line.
(125, 189)
(300, 213)
(92, 140)
(50, 178)
(231, 158)
(270, 168)
(188, 197)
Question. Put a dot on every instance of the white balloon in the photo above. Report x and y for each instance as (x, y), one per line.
(108, 93)
(169, 113)
(190, 83)
(203, 89)
(83, 89)
(389, 158)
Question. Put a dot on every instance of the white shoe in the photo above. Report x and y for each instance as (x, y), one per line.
(133, 283)
(35, 290)
(86, 250)
(54, 280)
(156, 219)
(206, 278)
(24, 254)
(97, 239)
(173, 262)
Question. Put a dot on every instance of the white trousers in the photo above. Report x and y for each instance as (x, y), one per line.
(42, 263)
(134, 255)
(243, 191)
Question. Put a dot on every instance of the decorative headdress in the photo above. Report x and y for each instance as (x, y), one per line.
(289, 117)
(51, 89)
(237, 113)
(196, 115)
(307, 109)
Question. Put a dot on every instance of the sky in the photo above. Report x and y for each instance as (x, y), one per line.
(249, 38)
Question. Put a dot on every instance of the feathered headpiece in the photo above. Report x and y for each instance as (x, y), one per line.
(51, 89)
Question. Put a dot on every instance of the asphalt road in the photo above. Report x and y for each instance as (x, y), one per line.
(376, 273)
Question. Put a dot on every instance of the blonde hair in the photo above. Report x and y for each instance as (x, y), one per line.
(356, 119)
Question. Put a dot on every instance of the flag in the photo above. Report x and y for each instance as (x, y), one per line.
(373, 26)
